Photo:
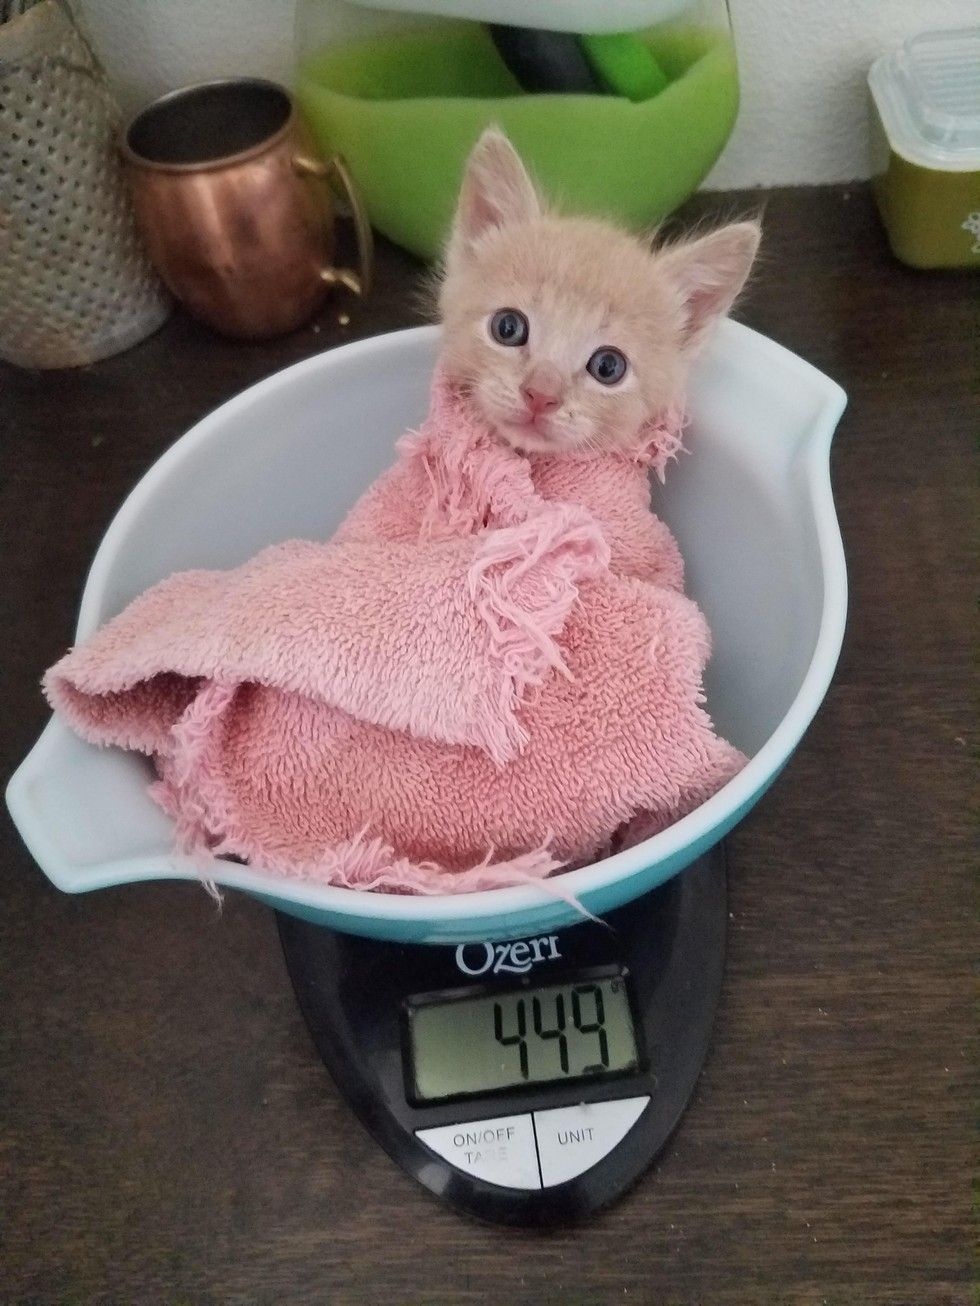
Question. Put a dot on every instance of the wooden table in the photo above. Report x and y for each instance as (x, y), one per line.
(166, 1131)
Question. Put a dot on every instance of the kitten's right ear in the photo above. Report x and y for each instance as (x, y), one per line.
(496, 192)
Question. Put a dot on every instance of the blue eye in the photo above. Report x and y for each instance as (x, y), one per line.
(508, 327)
(607, 365)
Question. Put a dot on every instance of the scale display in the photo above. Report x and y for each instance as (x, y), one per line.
(523, 1081)
(464, 1046)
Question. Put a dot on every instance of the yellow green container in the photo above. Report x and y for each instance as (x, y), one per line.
(925, 107)
(405, 102)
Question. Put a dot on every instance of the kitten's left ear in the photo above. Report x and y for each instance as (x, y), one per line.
(496, 192)
(709, 273)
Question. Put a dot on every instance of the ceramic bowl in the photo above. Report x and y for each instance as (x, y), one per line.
(750, 504)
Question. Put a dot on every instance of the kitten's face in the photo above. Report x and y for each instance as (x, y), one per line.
(569, 335)
(545, 325)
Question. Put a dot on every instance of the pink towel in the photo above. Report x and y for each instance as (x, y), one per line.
(484, 675)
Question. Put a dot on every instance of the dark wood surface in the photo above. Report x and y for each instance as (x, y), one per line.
(166, 1131)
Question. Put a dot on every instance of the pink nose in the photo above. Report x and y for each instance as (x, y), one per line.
(539, 399)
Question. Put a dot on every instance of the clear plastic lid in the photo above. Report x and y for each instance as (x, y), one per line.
(928, 96)
(580, 16)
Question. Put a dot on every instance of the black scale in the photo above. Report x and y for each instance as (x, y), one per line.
(529, 1082)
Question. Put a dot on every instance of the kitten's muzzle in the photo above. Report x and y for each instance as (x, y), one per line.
(542, 390)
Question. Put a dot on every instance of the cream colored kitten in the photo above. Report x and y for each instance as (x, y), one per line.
(569, 334)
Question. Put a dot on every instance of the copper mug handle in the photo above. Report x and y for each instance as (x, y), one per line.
(359, 282)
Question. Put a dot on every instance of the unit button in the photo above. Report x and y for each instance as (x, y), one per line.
(572, 1139)
(501, 1151)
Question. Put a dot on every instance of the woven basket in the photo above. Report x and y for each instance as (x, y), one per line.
(75, 284)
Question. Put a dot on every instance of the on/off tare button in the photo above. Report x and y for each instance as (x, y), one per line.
(501, 1151)
(572, 1139)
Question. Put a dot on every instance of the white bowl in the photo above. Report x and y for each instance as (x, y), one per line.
(751, 507)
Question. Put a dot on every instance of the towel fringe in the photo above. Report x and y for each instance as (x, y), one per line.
(524, 581)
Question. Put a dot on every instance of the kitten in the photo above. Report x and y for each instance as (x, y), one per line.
(569, 334)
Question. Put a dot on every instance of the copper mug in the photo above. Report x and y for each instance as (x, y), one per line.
(237, 213)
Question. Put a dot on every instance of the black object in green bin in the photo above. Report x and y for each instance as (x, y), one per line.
(617, 63)
(624, 65)
(544, 62)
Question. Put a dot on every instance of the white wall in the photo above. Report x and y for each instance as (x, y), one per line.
(803, 64)
(152, 46)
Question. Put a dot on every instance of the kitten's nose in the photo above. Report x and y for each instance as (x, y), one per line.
(542, 389)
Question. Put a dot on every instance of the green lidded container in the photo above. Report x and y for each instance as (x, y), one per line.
(403, 88)
(925, 111)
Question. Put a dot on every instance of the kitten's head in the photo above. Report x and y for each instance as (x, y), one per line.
(570, 335)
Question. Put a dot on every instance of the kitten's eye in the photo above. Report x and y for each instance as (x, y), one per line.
(607, 366)
(508, 327)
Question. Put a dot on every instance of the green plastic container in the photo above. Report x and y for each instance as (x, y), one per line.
(405, 107)
(925, 106)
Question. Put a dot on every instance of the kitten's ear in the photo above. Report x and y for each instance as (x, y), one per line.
(496, 191)
(709, 273)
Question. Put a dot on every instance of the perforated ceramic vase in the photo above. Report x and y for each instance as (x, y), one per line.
(75, 284)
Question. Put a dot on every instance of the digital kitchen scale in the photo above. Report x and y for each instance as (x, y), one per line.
(527, 1082)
